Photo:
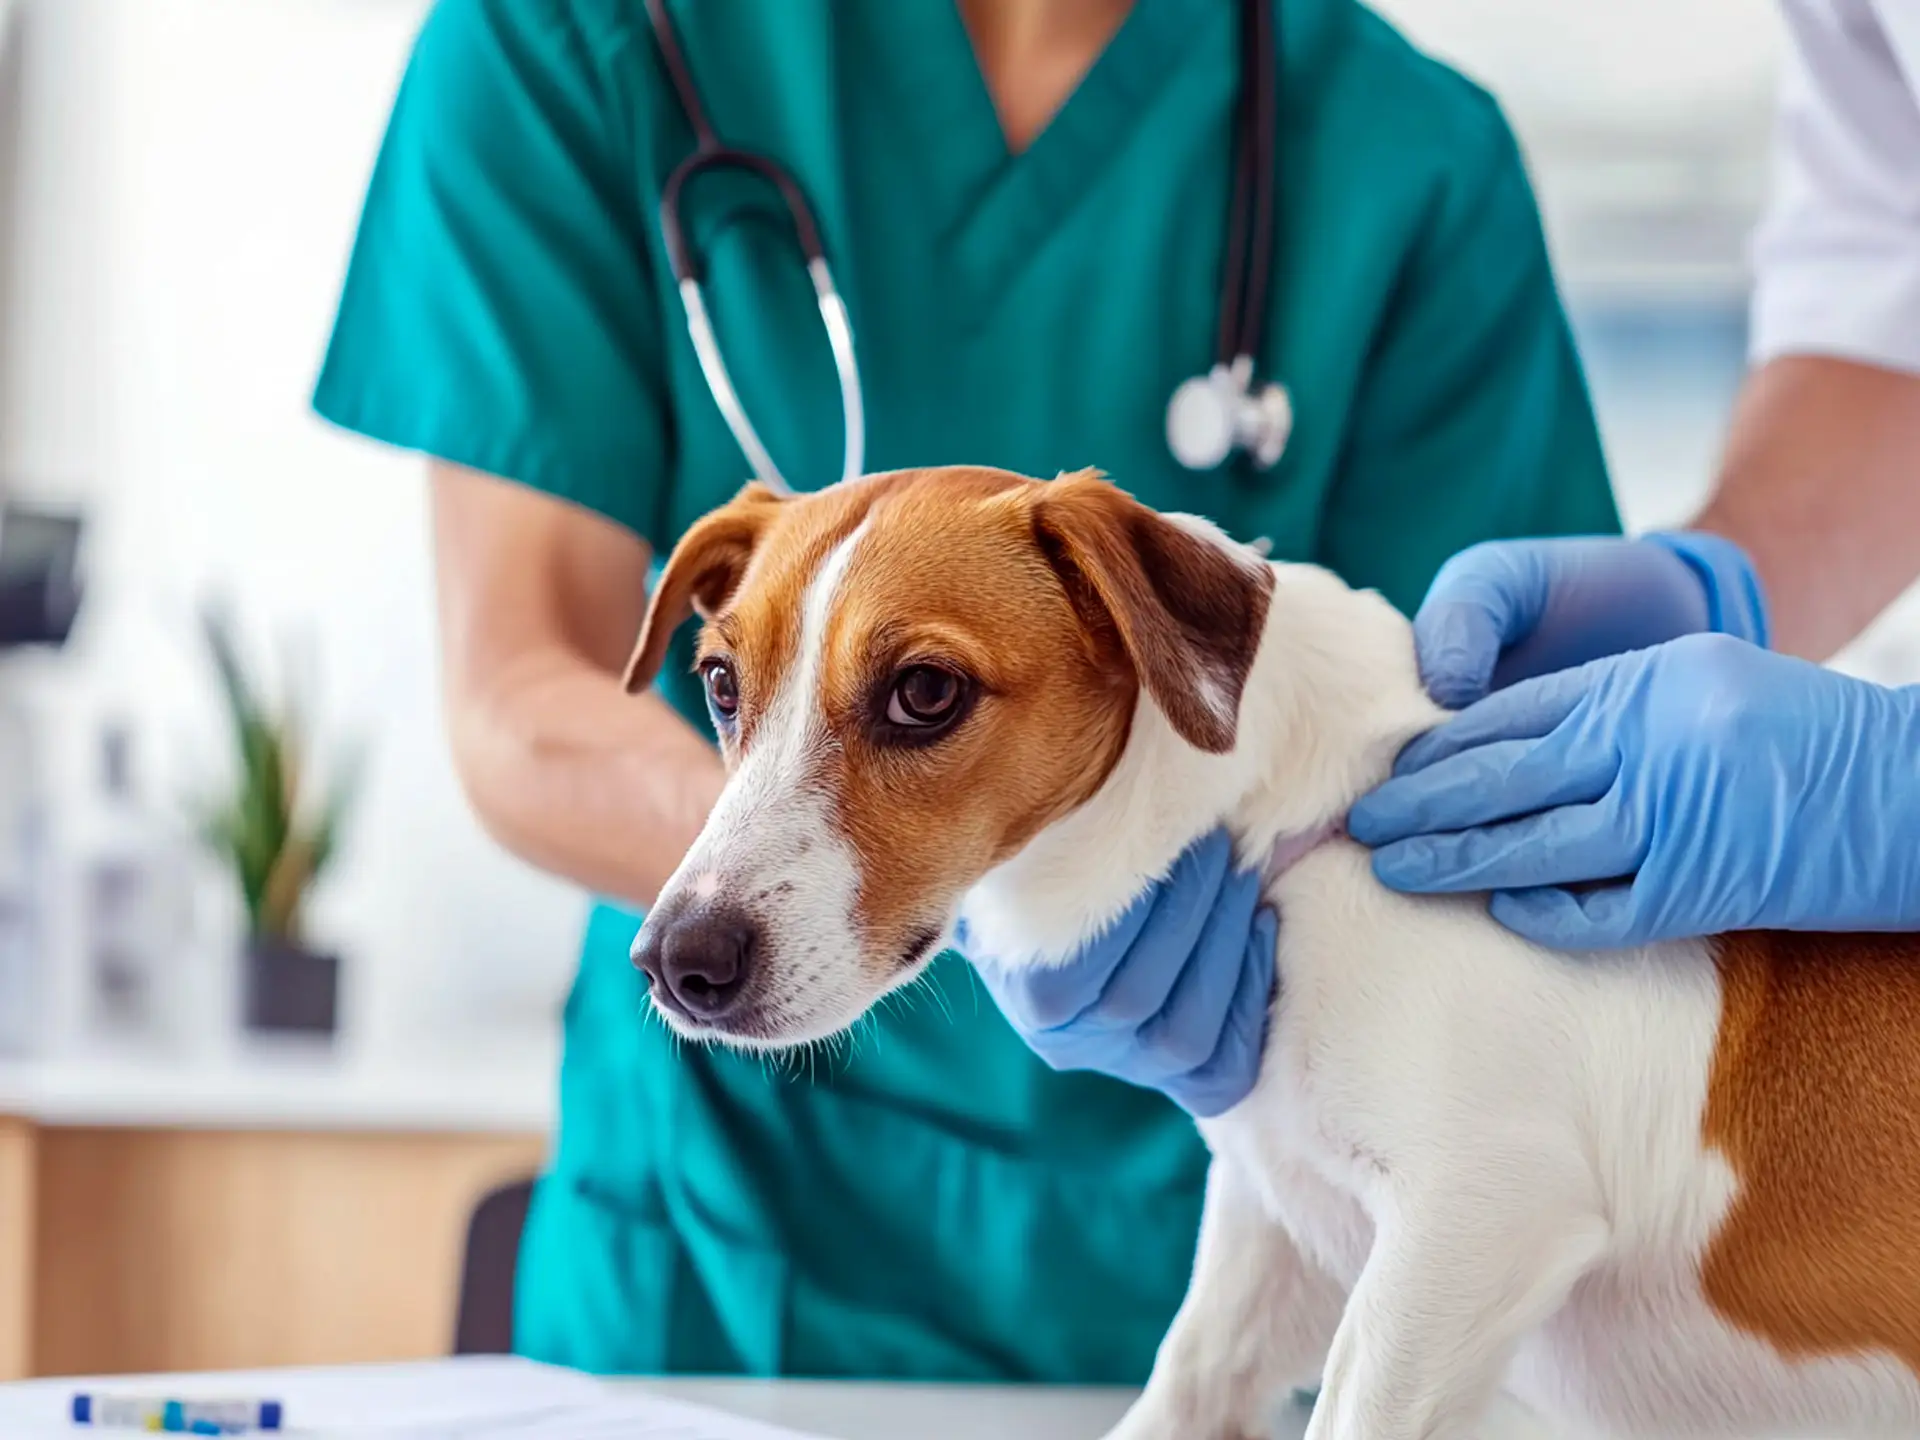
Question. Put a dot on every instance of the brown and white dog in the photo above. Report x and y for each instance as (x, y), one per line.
(1671, 1191)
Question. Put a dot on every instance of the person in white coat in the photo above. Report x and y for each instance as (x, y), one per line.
(1656, 792)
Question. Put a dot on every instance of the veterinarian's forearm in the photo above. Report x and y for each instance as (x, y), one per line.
(1821, 486)
(575, 777)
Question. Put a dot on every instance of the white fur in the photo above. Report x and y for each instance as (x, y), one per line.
(1469, 1165)
(771, 842)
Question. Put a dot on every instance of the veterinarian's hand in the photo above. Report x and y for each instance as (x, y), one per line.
(1699, 786)
(1508, 610)
(1174, 997)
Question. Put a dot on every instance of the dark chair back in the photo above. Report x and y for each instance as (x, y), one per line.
(484, 1323)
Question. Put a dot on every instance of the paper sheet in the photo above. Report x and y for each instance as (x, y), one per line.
(465, 1399)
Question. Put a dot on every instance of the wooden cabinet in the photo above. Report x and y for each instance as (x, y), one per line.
(18, 1227)
(312, 1220)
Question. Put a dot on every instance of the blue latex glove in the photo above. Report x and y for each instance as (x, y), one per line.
(1507, 610)
(1174, 997)
(1699, 786)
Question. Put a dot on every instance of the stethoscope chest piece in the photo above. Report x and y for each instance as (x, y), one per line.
(1213, 415)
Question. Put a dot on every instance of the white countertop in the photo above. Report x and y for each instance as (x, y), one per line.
(847, 1411)
(844, 1411)
(482, 1083)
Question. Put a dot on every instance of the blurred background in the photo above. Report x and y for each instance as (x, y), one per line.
(179, 181)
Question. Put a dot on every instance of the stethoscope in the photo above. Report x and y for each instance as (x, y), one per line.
(1210, 417)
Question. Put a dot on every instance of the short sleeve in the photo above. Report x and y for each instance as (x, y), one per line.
(498, 310)
(1472, 420)
(1837, 254)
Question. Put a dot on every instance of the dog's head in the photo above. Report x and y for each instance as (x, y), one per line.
(913, 675)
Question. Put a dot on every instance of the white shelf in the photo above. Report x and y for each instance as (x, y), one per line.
(481, 1083)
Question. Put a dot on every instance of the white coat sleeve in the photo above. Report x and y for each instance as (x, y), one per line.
(1837, 254)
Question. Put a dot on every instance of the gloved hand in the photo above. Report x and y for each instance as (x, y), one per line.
(1507, 610)
(1174, 997)
(1699, 786)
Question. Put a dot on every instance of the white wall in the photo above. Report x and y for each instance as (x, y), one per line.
(1647, 123)
(194, 170)
(52, 163)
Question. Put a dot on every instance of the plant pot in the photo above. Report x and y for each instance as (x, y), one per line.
(288, 988)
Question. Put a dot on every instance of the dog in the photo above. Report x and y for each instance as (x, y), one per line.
(1668, 1191)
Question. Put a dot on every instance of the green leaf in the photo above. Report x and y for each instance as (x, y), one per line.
(258, 831)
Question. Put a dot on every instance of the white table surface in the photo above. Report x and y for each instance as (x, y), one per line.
(842, 1411)
(839, 1411)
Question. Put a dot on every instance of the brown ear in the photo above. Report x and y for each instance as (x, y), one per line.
(700, 576)
(1187, 612)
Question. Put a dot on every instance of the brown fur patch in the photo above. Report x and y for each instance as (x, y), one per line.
(1814, 1099)
(948, 572)
(706, 567)
(1184, 612)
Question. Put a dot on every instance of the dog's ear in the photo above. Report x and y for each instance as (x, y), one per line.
(700, 576)
(1186, 610)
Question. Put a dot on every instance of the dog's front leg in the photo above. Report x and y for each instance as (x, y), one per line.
(1257, 1318)
(1457, 1276)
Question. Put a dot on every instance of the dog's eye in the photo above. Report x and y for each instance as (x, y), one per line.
(723, 687)
(924, 695)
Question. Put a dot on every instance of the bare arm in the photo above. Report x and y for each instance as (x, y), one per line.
(1821, 479)
(539, 602)
(1821, 486)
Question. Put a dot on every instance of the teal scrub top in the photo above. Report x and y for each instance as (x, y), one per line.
(931, 1202)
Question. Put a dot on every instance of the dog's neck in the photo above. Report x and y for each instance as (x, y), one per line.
(1333, 694)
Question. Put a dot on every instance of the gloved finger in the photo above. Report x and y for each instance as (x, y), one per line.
(1526, 711)
(1606, 597)
(1036, 997)
(1230, 1073)
(1138, 986)
(1498, 781)
(1075, 1047)
(1484, 599)
(1186, 1030)
(1457, 645)
(1573, 845)
(1036, 994)
(1606, 918)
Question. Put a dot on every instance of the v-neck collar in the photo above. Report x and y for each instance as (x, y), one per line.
(1000, 205)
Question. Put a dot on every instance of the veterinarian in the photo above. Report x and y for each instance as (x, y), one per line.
(1655, 770)
(1024, 207)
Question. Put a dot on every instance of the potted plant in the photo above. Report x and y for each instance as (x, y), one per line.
(277, 837)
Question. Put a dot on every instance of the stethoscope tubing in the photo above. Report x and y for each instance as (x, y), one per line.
(1245, 275)
(683, 261)
(1243, 300)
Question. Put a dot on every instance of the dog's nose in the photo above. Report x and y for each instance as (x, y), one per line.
(699, 964)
